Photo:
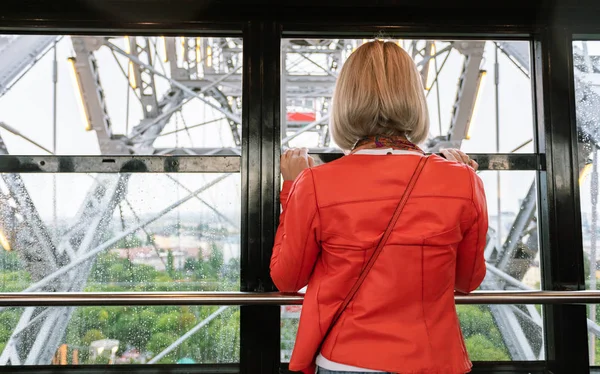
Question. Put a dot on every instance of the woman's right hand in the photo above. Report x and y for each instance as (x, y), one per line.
(294, 161)
(453, 154)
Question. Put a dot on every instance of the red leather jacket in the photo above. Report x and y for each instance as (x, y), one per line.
(403, 318)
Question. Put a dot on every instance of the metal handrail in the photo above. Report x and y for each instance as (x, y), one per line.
(10, 299)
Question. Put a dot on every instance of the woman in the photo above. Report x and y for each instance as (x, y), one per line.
(402, 319)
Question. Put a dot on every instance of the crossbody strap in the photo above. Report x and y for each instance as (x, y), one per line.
(377, 251)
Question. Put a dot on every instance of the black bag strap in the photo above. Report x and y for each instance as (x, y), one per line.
(377, 251)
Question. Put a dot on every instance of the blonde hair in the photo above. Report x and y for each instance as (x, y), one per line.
(378, 92)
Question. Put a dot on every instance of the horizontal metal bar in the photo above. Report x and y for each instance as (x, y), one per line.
(487, 367)
(228, 368)
(494, 161)
(8, 299)
(529, 367)
(210, 164)
(119, 164)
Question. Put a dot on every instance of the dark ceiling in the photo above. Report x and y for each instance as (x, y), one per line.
(177, 14)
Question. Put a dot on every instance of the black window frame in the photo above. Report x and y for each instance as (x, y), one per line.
(551, 27)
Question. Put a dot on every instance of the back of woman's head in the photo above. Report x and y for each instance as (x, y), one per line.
(378, 92)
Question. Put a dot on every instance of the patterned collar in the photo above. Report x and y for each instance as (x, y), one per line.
(394, 142)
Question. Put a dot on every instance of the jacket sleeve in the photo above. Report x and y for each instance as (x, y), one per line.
(470, 262)
(297, 240)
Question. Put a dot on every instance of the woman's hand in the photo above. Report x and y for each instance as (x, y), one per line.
(459, 156)
(293, 161)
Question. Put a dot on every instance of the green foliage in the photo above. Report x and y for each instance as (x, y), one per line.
(213, 268)
(482, 337)
(151, 329)
(9, 261)
(482, 349)
(170, 263)
(109, 268)
(13, 277)
(147, 329)
(597, 350)
(215, 259)
(586, 266)
(8, 321)
(101, 360)
(289, 328)
(130, 241)
(91, 336)
(14, 281)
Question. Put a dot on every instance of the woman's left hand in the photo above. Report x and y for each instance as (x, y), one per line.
(294, 161)
(453, 154)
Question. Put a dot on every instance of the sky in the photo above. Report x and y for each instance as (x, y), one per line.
(28, 108)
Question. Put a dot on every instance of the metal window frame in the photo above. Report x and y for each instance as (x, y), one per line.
(259, 325)
(120, 164)
(213, 164)
(558, 193)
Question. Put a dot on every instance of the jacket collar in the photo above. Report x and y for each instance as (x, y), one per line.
(393, 142)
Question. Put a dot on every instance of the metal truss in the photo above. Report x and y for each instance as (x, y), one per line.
(92, 93)
(40, 329)
(26, 227)
(522, 336)
(18, 54)
(521, 327)
(466, 96)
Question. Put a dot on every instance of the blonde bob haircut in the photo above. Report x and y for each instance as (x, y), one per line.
(378, 92)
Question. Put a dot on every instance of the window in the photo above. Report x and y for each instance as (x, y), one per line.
(586, 55)
(471, 110)
(115, 223)
(459, 80)
(127, 335)
(121, 95)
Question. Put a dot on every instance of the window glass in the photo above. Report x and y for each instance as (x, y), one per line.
(121, 335)
(92, 95)
(85, 95)
(586, 55)
(114, 233)
(127, 232)
(460, 83)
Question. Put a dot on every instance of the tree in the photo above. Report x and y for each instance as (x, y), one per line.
(130, 241)
(477, 322)
(9, 261)
(152, 328)
(482, 349)
(170, 262)
(8, 321)
(231, 271)
(201, 229)
(91, 336)
(215, 260)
